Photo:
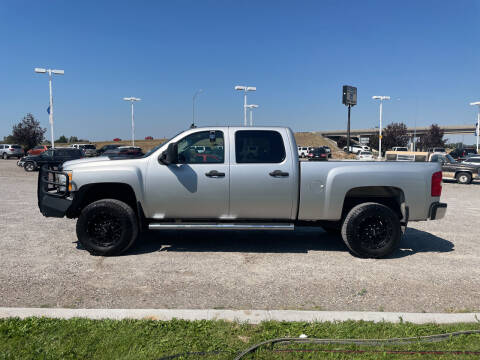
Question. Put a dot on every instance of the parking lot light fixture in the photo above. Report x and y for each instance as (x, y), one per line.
(477, 128)
(132, 100)
(245, 89)
(251, 107)
(50, 108)
(381, 98)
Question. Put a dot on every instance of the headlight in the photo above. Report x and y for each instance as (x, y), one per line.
(63, 180)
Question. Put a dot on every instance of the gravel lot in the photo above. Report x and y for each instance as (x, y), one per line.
(436, 269)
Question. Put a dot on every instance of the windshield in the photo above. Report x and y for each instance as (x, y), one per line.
(89, 147)
(450, 159)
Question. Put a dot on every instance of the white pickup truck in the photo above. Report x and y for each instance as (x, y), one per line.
(244, 179)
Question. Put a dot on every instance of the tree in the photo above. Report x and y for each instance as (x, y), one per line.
(433, 138)
(395, 134)
(8, 139)
(373, 141)
(28, 132)
(62, 139)
(342, 142)
(73, 139)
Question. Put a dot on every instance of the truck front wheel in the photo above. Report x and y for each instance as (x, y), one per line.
(107, 227)
(371, 230)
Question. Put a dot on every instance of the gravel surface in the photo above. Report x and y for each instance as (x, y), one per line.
(436, 270)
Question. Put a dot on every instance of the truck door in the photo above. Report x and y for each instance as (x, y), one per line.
(197, 187)
(262, 175)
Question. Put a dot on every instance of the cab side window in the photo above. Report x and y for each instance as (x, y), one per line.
(201, 148)
(259, 146)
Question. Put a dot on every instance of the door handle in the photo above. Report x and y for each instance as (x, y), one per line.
(215, 174)
(278, 173)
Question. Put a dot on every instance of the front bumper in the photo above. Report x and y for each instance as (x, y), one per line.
(437, 211)
(53, 197)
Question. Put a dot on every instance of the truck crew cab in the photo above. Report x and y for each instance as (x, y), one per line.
(244, 179)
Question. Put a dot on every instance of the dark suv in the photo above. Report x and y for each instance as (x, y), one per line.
(318, 154)
(51, 157)
(461, 154)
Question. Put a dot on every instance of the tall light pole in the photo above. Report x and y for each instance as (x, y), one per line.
(198, 92)
(381, 98)
(477, 129)
(132, 100)
(245, 89)
(251, 107)
(50, 73)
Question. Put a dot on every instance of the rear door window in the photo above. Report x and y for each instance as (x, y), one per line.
(259, 146)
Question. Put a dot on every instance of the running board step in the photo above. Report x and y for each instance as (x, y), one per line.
(220, 226)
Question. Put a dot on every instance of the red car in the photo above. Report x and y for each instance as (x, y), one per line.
(206, 158)
(148, 137)
(117, 139)
(37, 150)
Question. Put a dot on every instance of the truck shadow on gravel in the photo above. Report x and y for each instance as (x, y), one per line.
(301, 240)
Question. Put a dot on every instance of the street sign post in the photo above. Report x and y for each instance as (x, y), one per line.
(349, 98)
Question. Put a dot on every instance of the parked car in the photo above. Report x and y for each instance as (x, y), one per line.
(461, 154)
(37, 150)
(303, 151)
(148, 137)
(399, 148)
(104, 148)
(52, 157)
(357, 148)
(462, 173)
(7, 151)
(88, 149)
(365, 155)
(317, 154)
(117, 139)
(124, 152)
(257, 183)
(472, 160)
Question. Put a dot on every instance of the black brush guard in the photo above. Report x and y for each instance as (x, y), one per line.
(52, 194)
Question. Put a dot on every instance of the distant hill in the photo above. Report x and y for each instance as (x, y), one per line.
(302, 139)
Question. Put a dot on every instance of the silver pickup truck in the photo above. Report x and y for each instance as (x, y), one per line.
(242, 179)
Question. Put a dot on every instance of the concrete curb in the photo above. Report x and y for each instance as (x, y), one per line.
(249, 316)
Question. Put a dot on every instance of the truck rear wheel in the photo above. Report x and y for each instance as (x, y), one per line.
(464, 178)
(107, 227)
(371, 230)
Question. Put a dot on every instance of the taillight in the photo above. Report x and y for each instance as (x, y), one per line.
(437, 184)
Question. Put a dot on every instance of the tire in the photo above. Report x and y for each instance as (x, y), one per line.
(107, 227)
(5, 156)
(29, 166)
(371, 230)
(464, 178)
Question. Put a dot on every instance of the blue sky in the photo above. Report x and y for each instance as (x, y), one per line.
(424, 54)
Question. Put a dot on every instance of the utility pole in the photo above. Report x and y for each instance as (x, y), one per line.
(477, 128)
(50, 107)
(245, 89)
(132, 100)
(193, 107)
(381, 98)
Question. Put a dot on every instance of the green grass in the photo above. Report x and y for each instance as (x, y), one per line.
(42, 338)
